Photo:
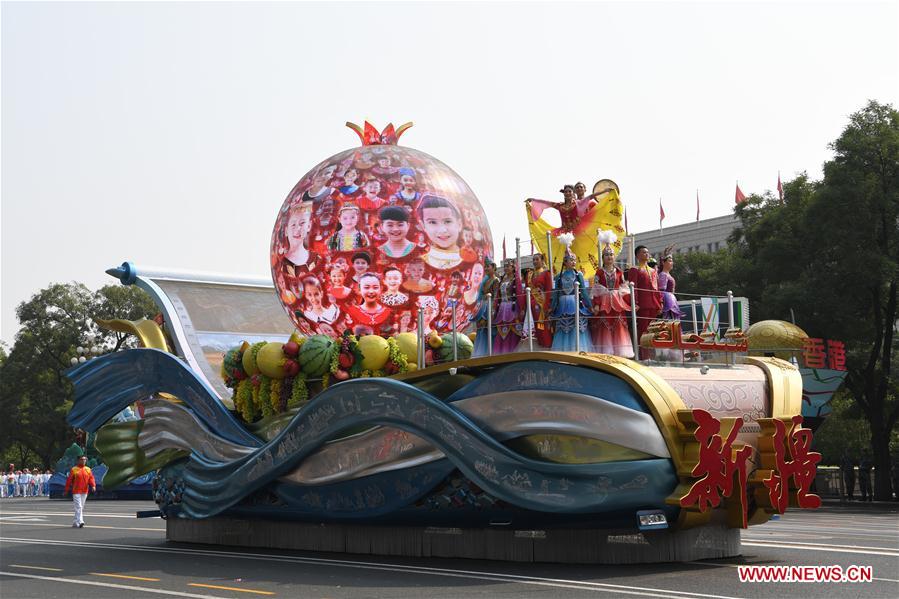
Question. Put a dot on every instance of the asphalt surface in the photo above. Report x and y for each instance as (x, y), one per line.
(117, 555)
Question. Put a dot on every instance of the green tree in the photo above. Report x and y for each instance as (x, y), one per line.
(35, 396)
(855, 218)
(830, 251)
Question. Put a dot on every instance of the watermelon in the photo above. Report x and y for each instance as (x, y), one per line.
(465, 347)
(315, 355)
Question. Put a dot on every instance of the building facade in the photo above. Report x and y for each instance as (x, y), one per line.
(709, 235)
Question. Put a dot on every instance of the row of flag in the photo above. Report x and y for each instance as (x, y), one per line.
(739, 198)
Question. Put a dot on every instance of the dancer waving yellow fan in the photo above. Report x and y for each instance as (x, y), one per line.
(582, 217)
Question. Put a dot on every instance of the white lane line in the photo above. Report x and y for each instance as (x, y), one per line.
(5, 523)
(832, 549)
(110, 585)
(69, 514)
(468, 574)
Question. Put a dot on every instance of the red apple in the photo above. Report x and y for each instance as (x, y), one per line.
(291, 367)
(291, 349)
(346, 360)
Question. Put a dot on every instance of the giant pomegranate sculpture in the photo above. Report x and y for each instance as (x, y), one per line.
(372, 234)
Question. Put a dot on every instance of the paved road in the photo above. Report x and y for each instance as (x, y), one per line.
(116, 556)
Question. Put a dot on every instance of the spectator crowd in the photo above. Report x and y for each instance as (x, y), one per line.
(24, 483)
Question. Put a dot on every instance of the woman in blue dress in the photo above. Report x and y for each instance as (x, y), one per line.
(490, 284)
(564, 305)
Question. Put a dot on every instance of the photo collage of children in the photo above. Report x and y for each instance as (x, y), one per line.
(374, 233)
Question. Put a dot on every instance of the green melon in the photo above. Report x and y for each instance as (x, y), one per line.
(315, 355)
(465, 347)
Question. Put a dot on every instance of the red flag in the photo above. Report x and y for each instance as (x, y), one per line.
(780, 187)
(739, 198)
(504, 247)
(661, 214)
(697, 205)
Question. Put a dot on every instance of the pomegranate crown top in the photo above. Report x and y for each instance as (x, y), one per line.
(371, 137)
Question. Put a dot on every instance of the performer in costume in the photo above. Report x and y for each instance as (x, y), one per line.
(611, 302)
(670, 309)
(490, 284)
(541, 283)
(507, 318)
(564, 304)
(646, 286)
(602, 210)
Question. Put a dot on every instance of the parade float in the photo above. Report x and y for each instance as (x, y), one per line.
(368, 420)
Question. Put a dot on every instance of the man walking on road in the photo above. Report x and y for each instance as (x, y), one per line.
(80, 479)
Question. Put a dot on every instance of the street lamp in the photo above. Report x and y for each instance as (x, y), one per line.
(86, 353)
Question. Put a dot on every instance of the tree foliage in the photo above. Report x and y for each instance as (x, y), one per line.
(829, 251)
(34, 393)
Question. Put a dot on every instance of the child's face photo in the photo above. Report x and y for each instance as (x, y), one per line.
(349, 177)
(384, 161)
(337, 277)
(415, 270)
(393, 279)
(313, 295)
(373, 187)
(360, 266)
(407, 181)
(349, 218)
(466, 236)
(342, 264)
(298, 226)
(442, 226)
(429, 310)
(395, 230)
(370, 288)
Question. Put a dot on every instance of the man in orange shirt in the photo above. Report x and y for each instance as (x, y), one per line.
(79, 481)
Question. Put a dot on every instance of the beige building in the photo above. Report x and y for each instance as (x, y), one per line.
(708, 235)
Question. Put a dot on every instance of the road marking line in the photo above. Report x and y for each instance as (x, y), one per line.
(388, 567)
(124, 576)
(110, 585)
(36, 568)
(213, 586)
(69, 514)
(821, 548)
(4, 523)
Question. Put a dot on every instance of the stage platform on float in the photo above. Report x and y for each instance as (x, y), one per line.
(581, 546)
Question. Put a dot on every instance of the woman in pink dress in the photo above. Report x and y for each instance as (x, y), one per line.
(508, 312)
(667, 284)
(611, 302)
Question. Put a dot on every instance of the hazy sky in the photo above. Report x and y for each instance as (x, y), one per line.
(168, 134)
